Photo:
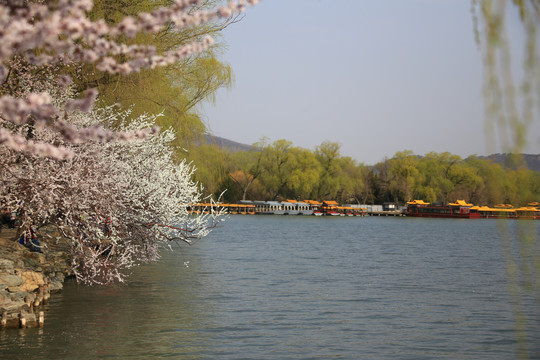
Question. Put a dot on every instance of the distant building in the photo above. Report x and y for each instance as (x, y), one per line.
(390, 206)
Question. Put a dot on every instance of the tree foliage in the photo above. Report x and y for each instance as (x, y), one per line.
(511, 103)
(283, 171)
(172, 90)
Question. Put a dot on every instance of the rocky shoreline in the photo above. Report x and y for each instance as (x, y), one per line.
(28, 278)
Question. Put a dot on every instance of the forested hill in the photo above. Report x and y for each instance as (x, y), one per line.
(507, 160)
(227, 144)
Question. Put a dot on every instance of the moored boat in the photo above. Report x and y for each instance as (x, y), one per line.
(289, 207)
(460, 209)
(315, 207)
(487, 212)
(268, 208)
(330, 208)
(303, 208)
(531, 211)
(463, 210)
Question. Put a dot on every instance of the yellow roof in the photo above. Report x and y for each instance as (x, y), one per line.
(460, 203)
(330, 202)
(417, 202)
(505, 206)
(487, 208)
(527, 208)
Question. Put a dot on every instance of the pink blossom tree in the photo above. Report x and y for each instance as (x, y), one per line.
(60, 32)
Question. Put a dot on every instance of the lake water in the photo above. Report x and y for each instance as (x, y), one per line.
(271, 287)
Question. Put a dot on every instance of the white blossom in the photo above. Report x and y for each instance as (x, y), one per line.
(117, 203)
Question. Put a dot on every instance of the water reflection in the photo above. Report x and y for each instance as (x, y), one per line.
(158, 314)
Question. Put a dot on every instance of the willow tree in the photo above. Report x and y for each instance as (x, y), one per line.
(511, 109)
(278, 162)
(328, 154)
(403, 168)
(247, 168)
(173, 90)
(304, 176)
(512, 104)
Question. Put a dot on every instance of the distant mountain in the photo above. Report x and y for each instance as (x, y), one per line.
(230, 145)
(508, 160)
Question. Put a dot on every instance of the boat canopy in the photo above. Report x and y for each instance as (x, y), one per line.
(503, 206)
(417, 202)
(527, 208)
(461, 203)
(487, 208)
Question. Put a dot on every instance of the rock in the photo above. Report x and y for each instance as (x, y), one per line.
(60, 276)
(31, 320)
(23, 274)
(11, 280)
(56, 285)
(4, 297)
(6, 266)
(32, 261)
(31, 280)
(13, 306)
(21, 295)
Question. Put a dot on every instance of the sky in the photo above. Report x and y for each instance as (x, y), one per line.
(376, 76)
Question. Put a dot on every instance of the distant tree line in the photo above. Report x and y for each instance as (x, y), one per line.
(279, 170)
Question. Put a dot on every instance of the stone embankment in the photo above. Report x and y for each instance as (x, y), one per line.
(28, 278)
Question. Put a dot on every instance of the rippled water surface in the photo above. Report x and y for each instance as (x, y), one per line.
(305, 288)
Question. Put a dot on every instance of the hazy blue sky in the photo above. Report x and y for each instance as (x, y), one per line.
(377, 76)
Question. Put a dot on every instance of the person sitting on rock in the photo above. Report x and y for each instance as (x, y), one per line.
(30, 240)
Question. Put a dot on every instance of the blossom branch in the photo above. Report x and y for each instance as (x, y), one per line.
(60, 32)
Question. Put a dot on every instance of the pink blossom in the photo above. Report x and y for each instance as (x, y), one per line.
(84, 104)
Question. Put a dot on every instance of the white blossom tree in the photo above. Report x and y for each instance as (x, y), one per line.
(116, 204)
